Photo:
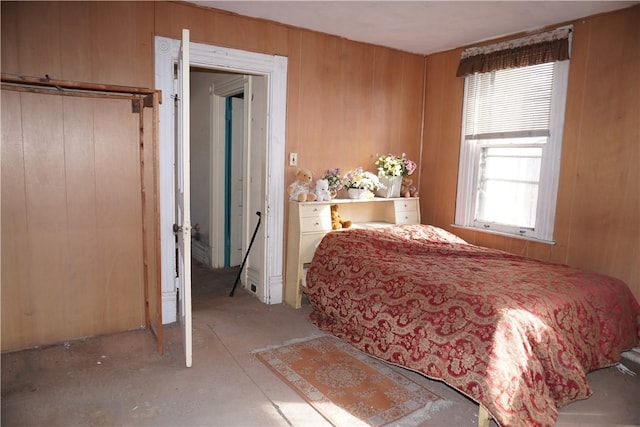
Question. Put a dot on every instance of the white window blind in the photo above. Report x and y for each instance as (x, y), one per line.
(509, 103)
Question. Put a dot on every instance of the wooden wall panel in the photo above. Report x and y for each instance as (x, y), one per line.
(597, 220)
(43, 144)
(75, 36)
(38, 40)
(83, 263)
(441, 144)
(433, 113)
(107, 39)
(320, 99)
(15, 258)
(153, 294)
(607, 190)
(571, 138)
(143, 52)
(119, 220)
(71, 229)
(385, 84)
(408, 133)
(112, 43)
(327, 108)
(354, 92)
(294, 123)
(382, 94)
(9, 25)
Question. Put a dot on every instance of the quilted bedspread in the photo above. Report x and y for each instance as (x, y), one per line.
(514, 334)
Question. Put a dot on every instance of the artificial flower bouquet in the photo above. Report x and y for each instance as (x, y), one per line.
(359, 178)
(391, 165)
(335, 180)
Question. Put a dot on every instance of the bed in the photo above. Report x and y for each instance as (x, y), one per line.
(516, 335)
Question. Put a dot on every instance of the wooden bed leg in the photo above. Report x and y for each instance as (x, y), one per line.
(483, 417)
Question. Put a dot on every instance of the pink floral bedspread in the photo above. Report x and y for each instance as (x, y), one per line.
(514, 334)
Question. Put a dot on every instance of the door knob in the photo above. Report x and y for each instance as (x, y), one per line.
(177, 228)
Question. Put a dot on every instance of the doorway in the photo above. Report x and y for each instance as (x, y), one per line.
(218, 129)
(266, 271)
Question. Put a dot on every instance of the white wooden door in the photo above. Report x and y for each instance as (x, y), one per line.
(183, 198)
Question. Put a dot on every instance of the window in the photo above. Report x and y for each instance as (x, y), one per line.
(510, 149)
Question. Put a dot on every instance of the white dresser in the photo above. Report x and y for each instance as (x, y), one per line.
(310, 221)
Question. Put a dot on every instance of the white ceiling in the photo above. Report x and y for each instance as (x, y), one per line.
(418, 26)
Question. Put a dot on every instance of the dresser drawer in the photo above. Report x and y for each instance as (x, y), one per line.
(408, 217)
(315, 223)
(308, 245)
(307, 210)
(405, 205)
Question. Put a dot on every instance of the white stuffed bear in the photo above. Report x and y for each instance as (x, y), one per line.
(322, 190)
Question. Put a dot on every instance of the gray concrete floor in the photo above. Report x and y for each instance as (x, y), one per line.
(121, 380)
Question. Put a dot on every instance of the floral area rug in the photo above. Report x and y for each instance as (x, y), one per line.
(347, 386)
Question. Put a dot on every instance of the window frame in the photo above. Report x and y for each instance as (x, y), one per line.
(468, 171)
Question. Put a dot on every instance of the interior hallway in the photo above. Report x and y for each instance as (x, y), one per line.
(121, 379)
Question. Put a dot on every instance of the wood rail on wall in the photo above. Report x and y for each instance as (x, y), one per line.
(46, 81)
(140, 98)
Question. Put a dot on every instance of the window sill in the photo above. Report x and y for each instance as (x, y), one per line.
(499, 233)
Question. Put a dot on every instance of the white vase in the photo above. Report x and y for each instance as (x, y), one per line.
(391, 186)
(359, 193)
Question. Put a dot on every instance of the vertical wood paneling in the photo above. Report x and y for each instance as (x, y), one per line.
(385, 83)
(15, 251)
(440, 152)
(153, 293)
(119, 216)
(354, 93)
(9, 24)
(294, 123)
(335, 121)
(113, 46)
(598, 209)
(163, 21)
(250, 33)
(408, 131)
(71, 229)
(606, 230)
(46, 214)
(82, 297)
(336, 102)
(571, 140)
(143, 54)
(450, 142)
(277, 39)
(220, 27)
(320, 99)
(433, 111)
(38, 39)
(75, 36)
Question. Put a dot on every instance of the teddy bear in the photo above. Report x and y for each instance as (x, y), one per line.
(300, 190)
(338, 223)
(322, 190)
(407, 189)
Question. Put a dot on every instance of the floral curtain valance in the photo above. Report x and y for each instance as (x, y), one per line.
(531, 50)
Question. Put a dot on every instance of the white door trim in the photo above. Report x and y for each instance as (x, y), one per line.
(275, 69)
